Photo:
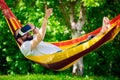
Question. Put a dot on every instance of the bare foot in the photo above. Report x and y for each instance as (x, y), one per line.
(105, 25)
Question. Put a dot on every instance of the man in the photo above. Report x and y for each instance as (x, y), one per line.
(33, 44)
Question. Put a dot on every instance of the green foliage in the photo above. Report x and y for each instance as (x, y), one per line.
(11, 59)
(93, 3)
(103, 61)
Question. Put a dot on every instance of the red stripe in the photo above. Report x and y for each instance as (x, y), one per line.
(63, 63)
(114, 19)
(65, 43)
(4, 8)
(79, 39)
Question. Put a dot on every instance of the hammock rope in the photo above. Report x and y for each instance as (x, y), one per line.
(71, 53)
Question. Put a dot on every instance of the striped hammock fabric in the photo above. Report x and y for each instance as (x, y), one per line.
(72, 49)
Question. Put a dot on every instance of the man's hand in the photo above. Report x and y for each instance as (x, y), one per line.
(31, 25)
(48, 13)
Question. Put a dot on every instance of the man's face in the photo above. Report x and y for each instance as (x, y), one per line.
(27, 37)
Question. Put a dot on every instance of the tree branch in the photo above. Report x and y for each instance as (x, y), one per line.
(64, 13)
(82, 12)
(72, 15)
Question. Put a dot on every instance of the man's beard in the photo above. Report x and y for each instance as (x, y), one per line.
(29, 38)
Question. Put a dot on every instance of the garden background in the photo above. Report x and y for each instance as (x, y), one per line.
(101, 62)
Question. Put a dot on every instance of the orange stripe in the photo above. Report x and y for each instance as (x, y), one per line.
(14, 26)
(61, 64)
(17, 23)
(82, 38)
(74, 41)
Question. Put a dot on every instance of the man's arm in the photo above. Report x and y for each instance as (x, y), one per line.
(40, 35)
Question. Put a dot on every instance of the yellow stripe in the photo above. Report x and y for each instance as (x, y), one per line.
(59, 56)
(115, 33)
(9, 25)
(11, 20)
(11, 30)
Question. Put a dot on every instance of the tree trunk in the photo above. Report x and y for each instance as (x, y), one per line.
(76, 27)
(76, 32)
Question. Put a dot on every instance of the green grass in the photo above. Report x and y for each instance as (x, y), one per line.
(53, 77)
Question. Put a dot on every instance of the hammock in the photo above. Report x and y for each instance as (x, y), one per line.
(72, 49)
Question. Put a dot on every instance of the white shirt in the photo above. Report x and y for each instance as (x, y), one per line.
(41, 49)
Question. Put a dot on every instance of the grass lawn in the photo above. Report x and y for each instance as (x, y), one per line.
(53, 77)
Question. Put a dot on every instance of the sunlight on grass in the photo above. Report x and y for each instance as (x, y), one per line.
(52, 77)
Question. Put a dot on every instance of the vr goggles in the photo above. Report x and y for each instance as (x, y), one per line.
(25, 29)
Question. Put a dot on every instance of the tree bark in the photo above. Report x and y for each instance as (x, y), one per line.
(76, 27)
(76, 32)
